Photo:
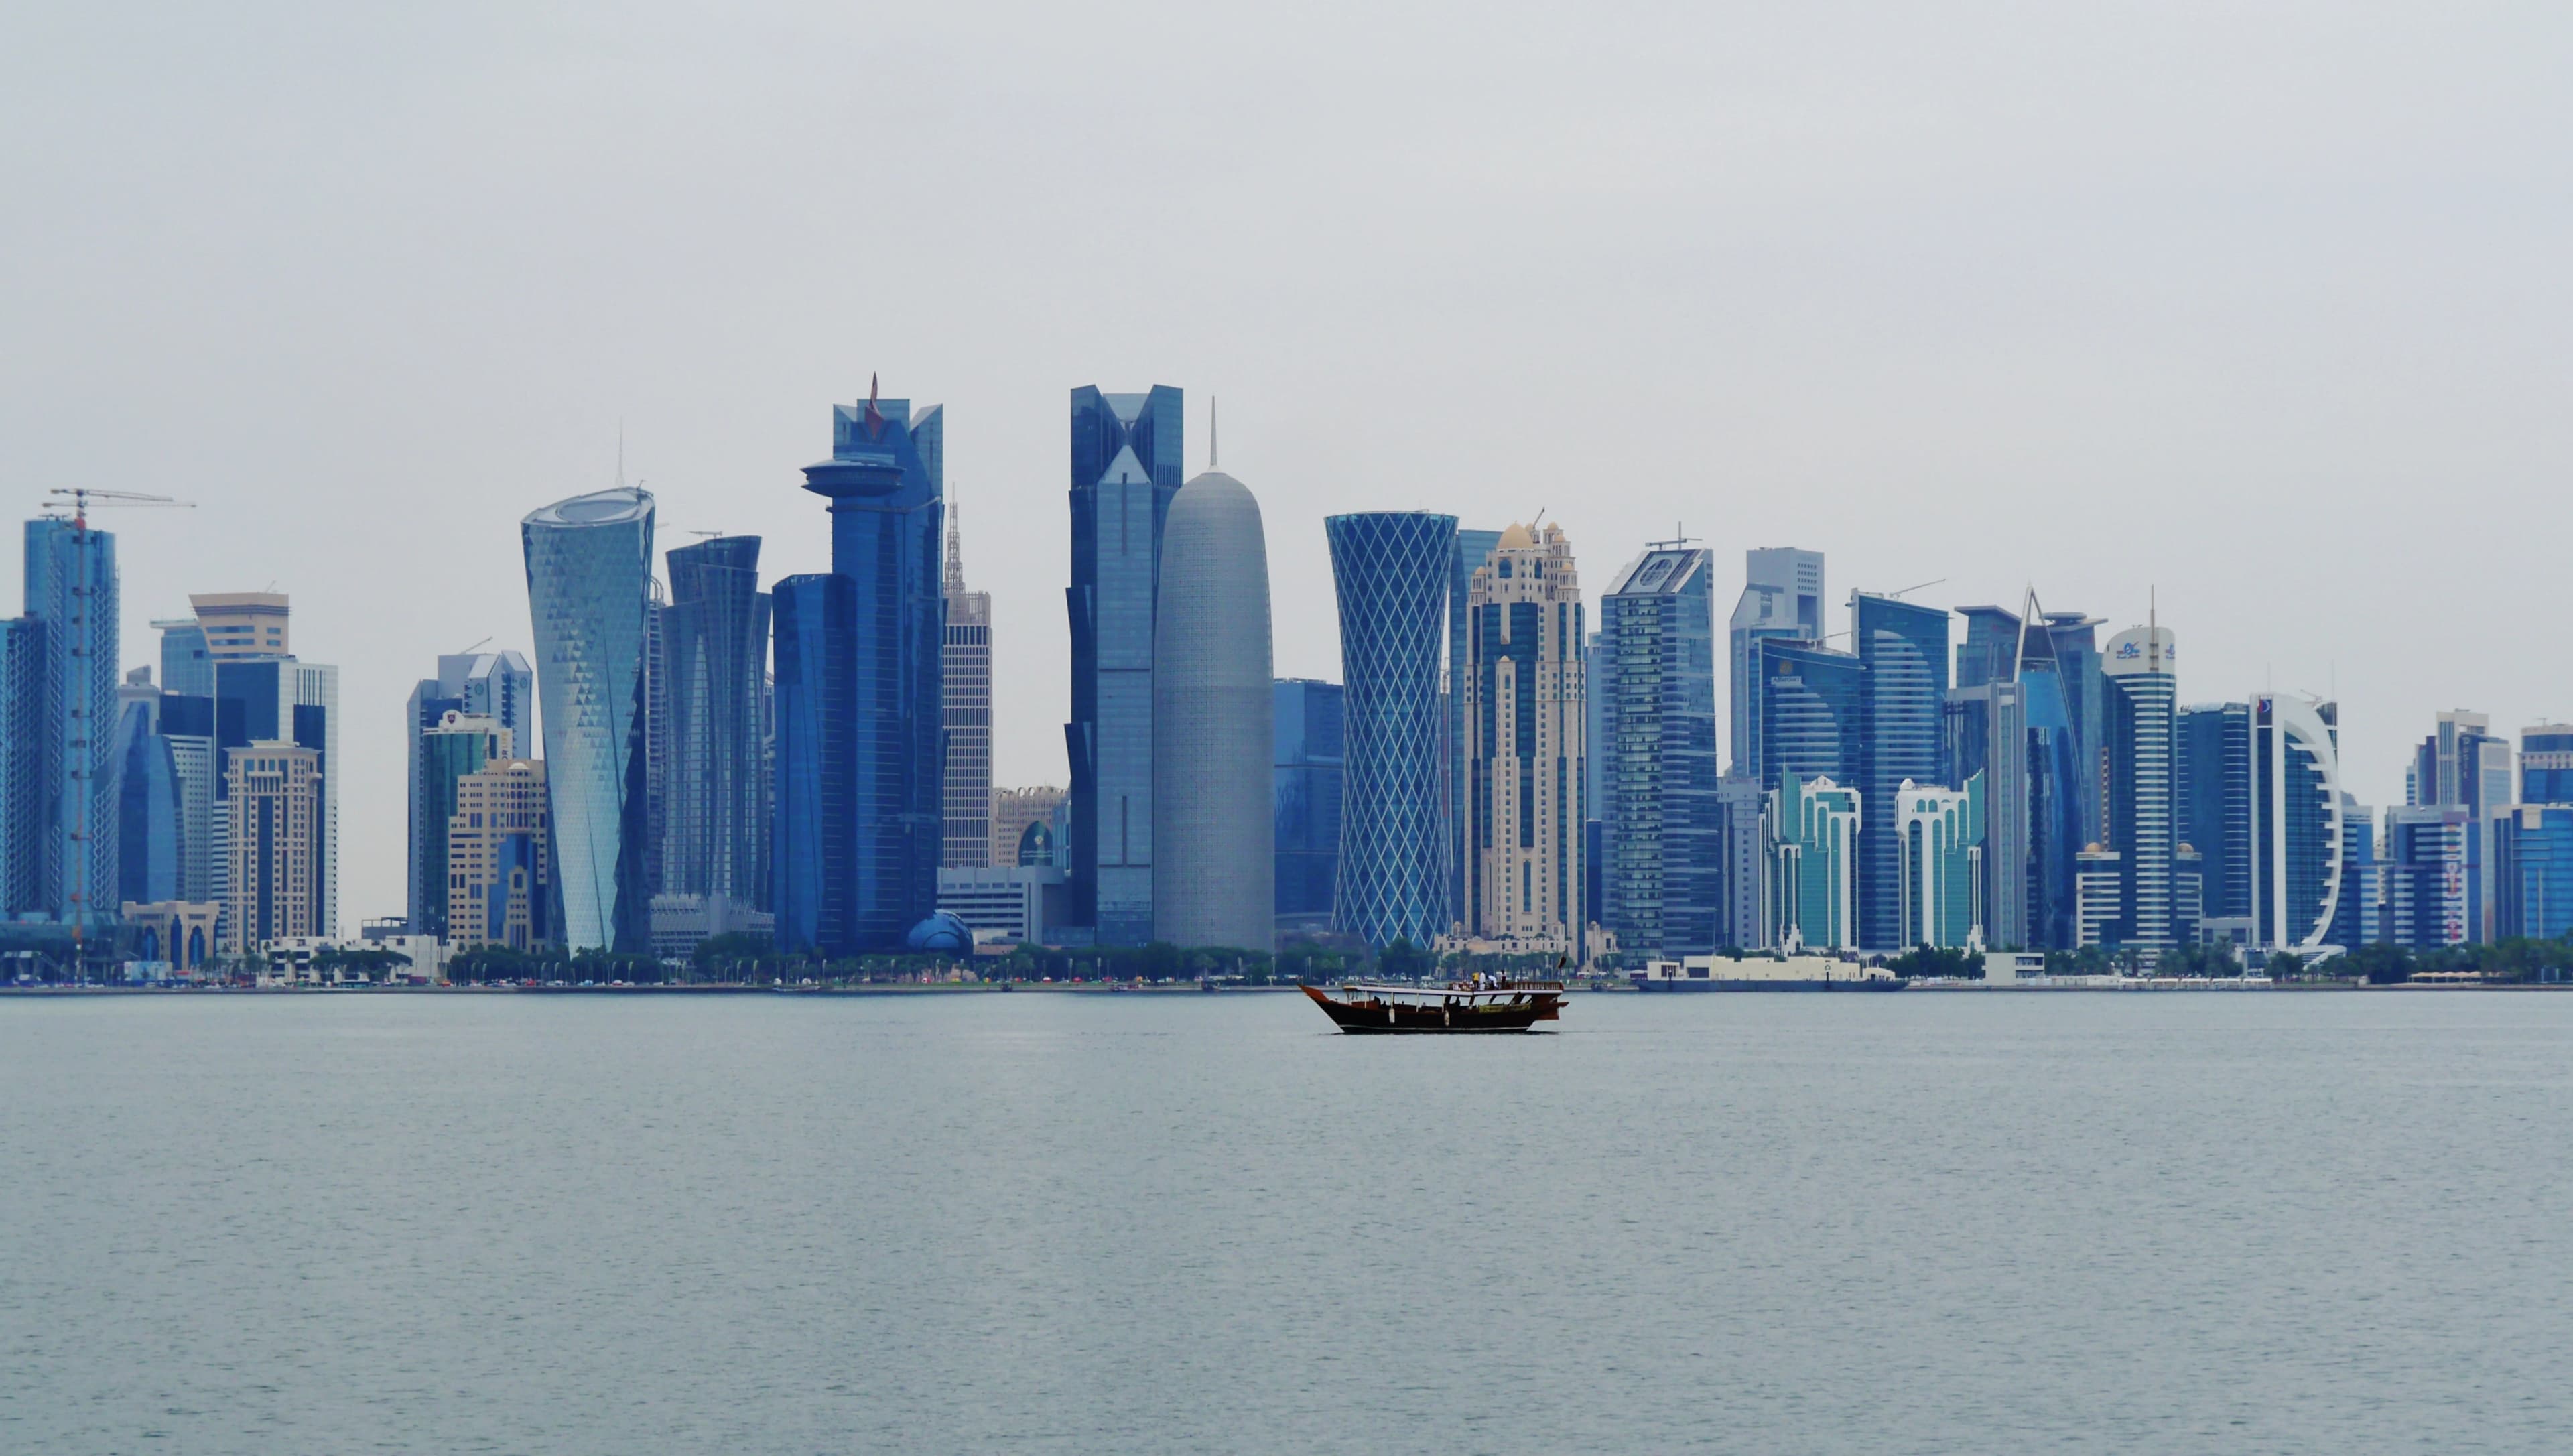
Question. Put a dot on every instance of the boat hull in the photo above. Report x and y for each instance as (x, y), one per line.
(1466, 1016)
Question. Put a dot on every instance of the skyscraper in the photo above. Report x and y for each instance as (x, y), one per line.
(1813, 707)
(2424, 873)
(1214, 840)
(1023, 827)
(860, 794)
(1526, 707)
(272, 890)
(261, 699)
(1473, 548)
(589, 568)
(1308, 800)
(1663, 878)
(714, 656)
(1742, 848)
(2356, 919)
(2296, 825)
(148, 809)
(64, 837)
(186, 663)
(499, 686)
(2062, 777)
(1987, 722)
(2213, 807)
(1904, 649)
(2142, 688)
(1391, 571)
(966, 680)
(1126, 465)
(1782, 596)
(2464, 765)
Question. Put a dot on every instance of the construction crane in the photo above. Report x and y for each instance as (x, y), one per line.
(78, 501)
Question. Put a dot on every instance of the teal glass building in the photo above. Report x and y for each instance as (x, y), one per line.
(1392, 572)
(62, 861)
(1308, 806)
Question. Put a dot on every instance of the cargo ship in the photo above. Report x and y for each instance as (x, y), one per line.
(1763, 972)
(1495, 1006)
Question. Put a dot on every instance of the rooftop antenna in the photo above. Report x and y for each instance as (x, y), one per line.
(468, 649)
(1213, 407)
(621, 452)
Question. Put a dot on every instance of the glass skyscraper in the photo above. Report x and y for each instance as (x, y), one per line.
(2355, 918)
(1986, 733)
(714, 658)
(1473, 548)
(860, 787)
(1782, 596)
(65, 858)
(148, 809)
(2424, 873)
(2212, 805)
(1392, 571)
(1939, 842)
(1662, 840)
(1813, 706)
(1125, 467)
(589, 567)
(1904, 647)
(1308, 805)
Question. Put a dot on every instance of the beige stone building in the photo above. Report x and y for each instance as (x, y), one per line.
(497, 892)
(273, 793)
(1525, 702)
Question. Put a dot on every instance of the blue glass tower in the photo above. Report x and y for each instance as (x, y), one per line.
(1391, 569)
(1473, 548)
(1126, 453)
(860, 771)
(147, 809)
(1813, 705)
(66, 862)
(815, 854)
(1309, 747)
(589, 567)
(1905, 648)
(1662, 823)
(714, 656)
(2354, 916)
(2533, 869)
(2212, 794)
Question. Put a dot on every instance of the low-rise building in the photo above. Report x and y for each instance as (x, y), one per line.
(1005, 904)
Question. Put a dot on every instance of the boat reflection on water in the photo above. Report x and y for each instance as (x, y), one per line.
(1493, 1005)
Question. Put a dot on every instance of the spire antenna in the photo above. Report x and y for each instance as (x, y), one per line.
(1213, 405)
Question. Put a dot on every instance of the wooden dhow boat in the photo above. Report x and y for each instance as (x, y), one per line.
(1496, 1006)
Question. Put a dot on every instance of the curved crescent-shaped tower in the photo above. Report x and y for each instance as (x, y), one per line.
(1215, 863)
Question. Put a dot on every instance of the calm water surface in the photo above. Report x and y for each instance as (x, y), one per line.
(1783, 1224)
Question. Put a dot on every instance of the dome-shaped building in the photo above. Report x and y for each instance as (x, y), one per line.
(1214, 841)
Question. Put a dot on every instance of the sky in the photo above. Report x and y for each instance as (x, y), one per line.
(2256, 313)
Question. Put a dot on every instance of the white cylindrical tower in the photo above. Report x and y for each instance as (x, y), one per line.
(1215, 863)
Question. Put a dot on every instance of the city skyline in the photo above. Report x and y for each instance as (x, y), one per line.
(2099, 354)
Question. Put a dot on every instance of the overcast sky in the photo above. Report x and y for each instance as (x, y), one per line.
(2263, 305)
